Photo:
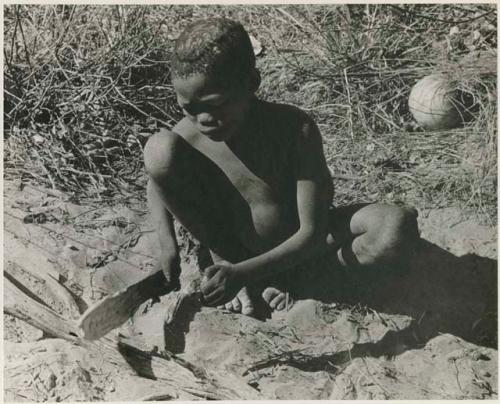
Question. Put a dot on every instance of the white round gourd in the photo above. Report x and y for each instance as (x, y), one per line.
(433, 103)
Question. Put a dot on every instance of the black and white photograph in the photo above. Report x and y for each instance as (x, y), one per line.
(250, 202)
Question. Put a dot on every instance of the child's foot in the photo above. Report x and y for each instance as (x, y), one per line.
(242, 303)
(276, 299)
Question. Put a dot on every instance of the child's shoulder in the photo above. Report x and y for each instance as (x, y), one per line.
(284, 113)
(289, 120)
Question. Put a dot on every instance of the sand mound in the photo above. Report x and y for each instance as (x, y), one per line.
(425, 332)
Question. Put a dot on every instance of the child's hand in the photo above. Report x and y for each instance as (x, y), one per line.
(220, 284)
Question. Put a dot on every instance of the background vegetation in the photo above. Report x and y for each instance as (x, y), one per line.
(86, 85)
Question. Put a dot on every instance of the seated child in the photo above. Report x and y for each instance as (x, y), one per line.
(248, 179)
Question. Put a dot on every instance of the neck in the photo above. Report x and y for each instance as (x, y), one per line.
(248, 125)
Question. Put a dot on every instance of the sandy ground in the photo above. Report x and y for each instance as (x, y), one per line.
(425, 332)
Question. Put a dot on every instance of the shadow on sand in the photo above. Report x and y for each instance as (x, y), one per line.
(442, 292)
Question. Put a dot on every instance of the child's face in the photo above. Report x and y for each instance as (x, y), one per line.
(215, 111)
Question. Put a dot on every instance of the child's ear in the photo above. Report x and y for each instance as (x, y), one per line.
(254, 80)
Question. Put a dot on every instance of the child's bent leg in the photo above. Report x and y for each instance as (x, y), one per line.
(194, 190)
(374, 235)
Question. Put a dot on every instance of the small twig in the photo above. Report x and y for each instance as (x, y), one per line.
(24, 38)
(453, 22)
(74, 170)
(349, 103)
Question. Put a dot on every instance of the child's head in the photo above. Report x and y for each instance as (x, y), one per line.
(216, 47)
(214, 76)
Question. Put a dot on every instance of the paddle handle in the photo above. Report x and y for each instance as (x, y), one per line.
(155, 285)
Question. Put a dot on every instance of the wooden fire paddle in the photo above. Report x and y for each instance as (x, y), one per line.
(114, 310)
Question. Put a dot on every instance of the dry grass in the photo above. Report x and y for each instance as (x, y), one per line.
(354, 74)
(88, 84)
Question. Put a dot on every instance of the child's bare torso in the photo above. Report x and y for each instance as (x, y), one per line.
(259, 164)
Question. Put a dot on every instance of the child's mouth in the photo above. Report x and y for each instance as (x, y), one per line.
(207, 131)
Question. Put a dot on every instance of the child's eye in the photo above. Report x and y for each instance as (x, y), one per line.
(211, 106)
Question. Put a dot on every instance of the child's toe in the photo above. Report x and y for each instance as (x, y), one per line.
(246, 303)
(269, 294)
(236, 305)
(281, 305)
(247, 309)
(277, 301)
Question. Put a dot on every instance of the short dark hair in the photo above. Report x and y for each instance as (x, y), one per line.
(218, 47)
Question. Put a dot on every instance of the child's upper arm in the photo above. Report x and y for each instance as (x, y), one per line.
(314, 188)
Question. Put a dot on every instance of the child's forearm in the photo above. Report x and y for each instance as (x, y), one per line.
(288, 254)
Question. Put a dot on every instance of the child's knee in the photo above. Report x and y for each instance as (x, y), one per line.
(399, 235)
(390, 238)
(363, 252)
(405, 225)
(161, 153)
